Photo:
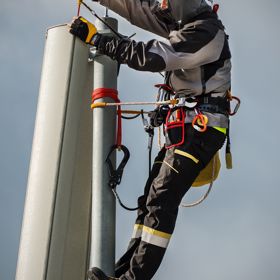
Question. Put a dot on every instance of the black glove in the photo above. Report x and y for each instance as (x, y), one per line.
(83, 29)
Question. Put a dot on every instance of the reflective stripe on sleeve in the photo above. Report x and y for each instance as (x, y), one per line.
(187, 155)
(155, 237)
(137, 231)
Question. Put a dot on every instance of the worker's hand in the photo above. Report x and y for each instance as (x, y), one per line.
(83, 29)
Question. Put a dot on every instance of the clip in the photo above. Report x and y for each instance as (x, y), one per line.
(200, 121)
(116, 174)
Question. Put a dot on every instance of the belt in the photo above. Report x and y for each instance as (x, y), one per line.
(209, 104)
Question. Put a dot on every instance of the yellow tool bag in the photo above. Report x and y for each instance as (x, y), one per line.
(210, 173)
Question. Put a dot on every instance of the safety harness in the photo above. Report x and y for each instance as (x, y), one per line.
(170, 111)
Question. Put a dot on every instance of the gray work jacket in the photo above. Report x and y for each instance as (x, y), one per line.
(195, 57)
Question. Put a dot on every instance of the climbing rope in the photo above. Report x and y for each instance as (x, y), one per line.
(157, 103)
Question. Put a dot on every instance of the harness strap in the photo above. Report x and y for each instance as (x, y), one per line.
(213, 104)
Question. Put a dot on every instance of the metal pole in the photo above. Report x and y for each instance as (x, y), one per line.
(104, 129)
(56, 223)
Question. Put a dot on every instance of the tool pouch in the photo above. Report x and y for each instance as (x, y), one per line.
(174, 128)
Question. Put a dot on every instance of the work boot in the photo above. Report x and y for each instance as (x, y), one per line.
(97, 274)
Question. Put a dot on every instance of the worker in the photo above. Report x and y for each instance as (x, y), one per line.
(195, 56)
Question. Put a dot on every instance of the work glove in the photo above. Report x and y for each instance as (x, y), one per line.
(84, 30)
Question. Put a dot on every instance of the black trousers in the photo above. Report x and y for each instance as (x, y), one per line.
(173, 172)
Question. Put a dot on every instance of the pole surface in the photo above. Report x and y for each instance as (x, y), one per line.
(104, 130)
(56, 222)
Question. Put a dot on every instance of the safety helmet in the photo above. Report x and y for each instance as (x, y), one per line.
(184, 10)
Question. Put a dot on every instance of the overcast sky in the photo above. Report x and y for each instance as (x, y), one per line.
(235, 233)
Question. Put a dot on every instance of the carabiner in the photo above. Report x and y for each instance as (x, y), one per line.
(116, 174)
(237, 105)
(199, 122)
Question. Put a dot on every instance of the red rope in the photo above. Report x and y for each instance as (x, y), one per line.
(113, 94)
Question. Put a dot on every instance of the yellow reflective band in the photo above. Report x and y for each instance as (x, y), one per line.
(155, 237)
(137, 231)
(171, 166)
(221, 129)
(157, 232)
(138, 226)
(187, 155)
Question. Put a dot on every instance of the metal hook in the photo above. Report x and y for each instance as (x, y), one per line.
(116, 174)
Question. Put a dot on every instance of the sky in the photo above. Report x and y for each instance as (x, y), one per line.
(235, 233)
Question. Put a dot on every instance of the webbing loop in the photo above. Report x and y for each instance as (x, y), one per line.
(113, 94)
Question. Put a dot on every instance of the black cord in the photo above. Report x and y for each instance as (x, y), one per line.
(131, 118)
(150, 155)
(120, 202)
(103, 21)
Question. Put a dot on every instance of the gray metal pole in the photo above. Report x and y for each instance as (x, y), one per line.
(56, 223)
(104, 129)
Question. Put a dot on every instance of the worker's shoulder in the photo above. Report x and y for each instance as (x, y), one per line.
(197, 34)
(206, 26)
